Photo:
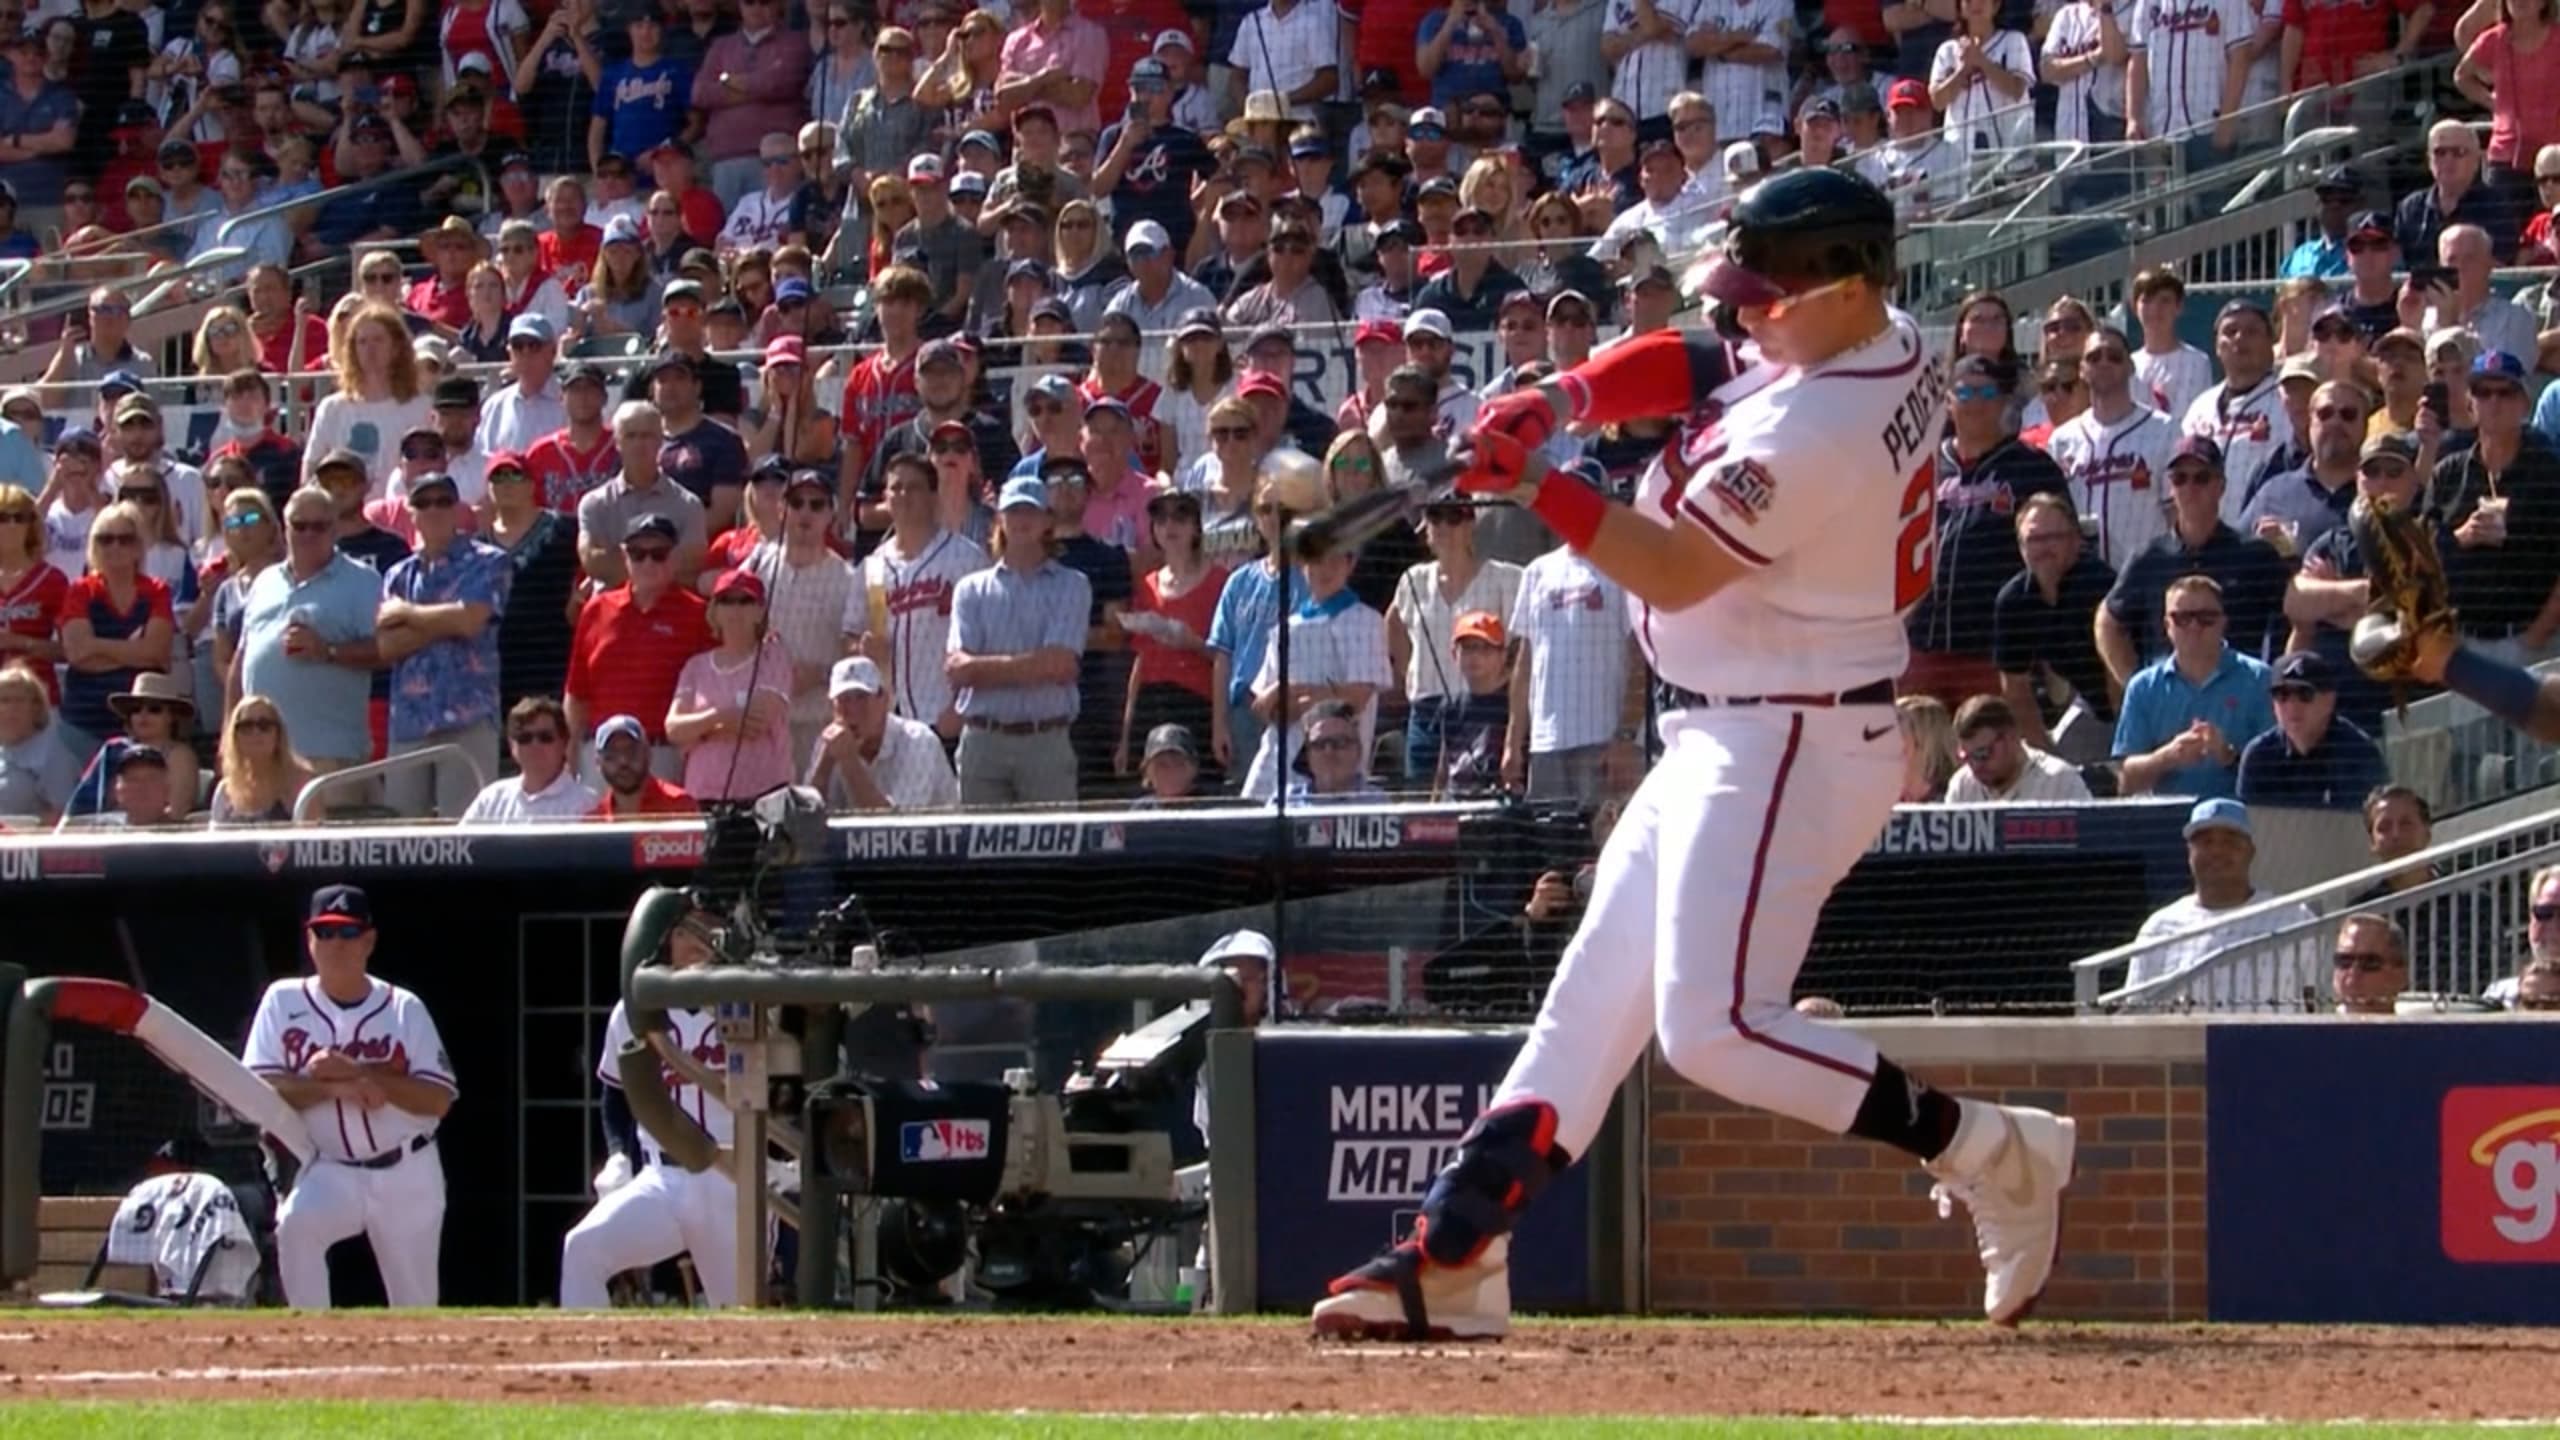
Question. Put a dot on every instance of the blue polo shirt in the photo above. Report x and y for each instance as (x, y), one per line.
(2335, 775)
(2160, 702)
(324, 705)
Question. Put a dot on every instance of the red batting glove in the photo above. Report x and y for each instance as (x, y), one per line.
(1497, 464)
(1523, 416)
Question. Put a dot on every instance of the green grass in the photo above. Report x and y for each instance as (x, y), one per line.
(342, 1420)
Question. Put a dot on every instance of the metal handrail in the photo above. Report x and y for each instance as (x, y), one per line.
(432, 755)
(2533, 830)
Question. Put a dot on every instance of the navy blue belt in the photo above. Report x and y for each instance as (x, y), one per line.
(394, 1156)
(1668, 697)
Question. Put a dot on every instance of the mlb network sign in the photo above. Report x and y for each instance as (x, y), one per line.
(925, 1141)
(2500, 1172)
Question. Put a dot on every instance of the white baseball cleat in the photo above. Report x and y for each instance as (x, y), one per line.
(2015, 1194)
(1402, 1296)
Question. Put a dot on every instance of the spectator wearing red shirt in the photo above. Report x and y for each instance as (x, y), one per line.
(579, 456)
(1129, 31)
(1170, 615)
(273, 320)
(1115, 376)
(672, 169)
(1386, 31)
(31, 591)
(630, 791)
(633, 640)
(2330, 42)
(2513, 71)
(445, 297)
(568, 249)
(881, 391)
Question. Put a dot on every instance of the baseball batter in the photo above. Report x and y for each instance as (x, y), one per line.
(1767, 559)
(361, 1059)
(664, 1210)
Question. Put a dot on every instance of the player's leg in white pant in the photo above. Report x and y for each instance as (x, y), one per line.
(404, 1221)
(1598, 1014)
(707, 1208)
(327, 1205)
(636, 1225)
(1788, 800)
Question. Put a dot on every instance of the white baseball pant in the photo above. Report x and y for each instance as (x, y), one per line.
(1701, 910)
(664, 1212)
(399, 1211)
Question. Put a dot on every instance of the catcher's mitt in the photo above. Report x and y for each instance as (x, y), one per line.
(2404, 585)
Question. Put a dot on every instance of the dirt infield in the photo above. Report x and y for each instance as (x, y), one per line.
(1204, 1366)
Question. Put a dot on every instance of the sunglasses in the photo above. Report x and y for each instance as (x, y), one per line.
(535, 737)
(259, 724)
(1357, 465)
(2363, 962)
(18, 517)
(153, 707)
(1225, 433)
(810, 504)
(2302, 694)
(649, 554)
(2367, 247)
(336, 930)
(313, 527)
(437, 501)
(2348, 413)
(953, 447)
(117, 537)
(2191, 479)
(243, 521)
(2495, 390)
(139, 495)
(1978, 392)
(2195, 619)
(736, 597)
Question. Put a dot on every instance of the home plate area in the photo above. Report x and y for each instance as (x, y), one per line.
(1920, 1371)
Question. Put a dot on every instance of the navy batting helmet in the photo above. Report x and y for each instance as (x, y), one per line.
(1799, 230)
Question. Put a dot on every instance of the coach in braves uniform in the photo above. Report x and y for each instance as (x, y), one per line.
(360, 1058)
(1767, 559)
(664, 1210)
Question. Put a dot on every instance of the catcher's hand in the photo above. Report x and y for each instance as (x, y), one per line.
(2406, 605)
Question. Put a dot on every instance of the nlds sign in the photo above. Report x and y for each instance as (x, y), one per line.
(923, 1141)
(2501, 1174)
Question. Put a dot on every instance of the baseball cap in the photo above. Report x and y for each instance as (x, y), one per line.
(1377, 331)
(1741, 159)
(336, 904)
(433, 480)
(2400, 337)
(136, 406)
(531, 326)
(1241, 945)
(1178, 39)
(1270, 334)
(2337, 179)
(1481, 625)
(673, 145)
(340, 459)
(1581, 92)
(935, 354)
(1405, 232)
(1521, 300)
(968, 184)
(1255, 155)
(622, 727)
(2370, 222)
(1820, 107)
(664, 361)
(853, 675)
(1026, 269)
(793, 290)
(1307, 147)
(1260, 382)
(1908, 95)
(145, 182)
(1200, 321)
(2397, 445)
(2305, 667)
(1146, 238)
(2498, 364)
(1983, 367)
(458, 392)
(1563, 298)
(925, 170)
(173, 151)
(739, 582)
(622, 230)
(585, 372)
(2299, 367)
(1050, 307)
(1438, 187)
(771, 470)
(1054, 386)
(1427, 321)
(515, 159)
(1065, 469)
(2456, 338)
(1428, 124)
(953, 427)
(1149, 73)
(1379, 77)
(984, 140)
(681, 290)
(2199, 448)
(1170, 739)
(786, 350)
(1023, 490)
(1184, 503)
(502, 461)
(85, 441)
(643, 527)
(2219, 813)
(1107, 405)
(1651, 276)
(118, 382)
(2242, 306)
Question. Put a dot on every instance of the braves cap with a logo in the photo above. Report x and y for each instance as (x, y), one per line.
(341, 905)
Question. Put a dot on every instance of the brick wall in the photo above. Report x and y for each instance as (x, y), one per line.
(1751, 1213)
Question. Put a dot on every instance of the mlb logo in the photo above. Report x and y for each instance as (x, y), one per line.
(924, 1142)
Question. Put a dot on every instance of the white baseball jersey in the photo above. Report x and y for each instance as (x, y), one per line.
(172, 1223)
(1649, 75)
(697, 1033)
(2260, 86)
(1923, 174)
(1574, 621)
(296, 1020)
(1980, 120)
(2186, 44)
(2075, 33)
(2119, 477)
(2250, 426)
(1338, 641)
(1745, 94)
(1822, 482)
(911, 612)
(2173, 380)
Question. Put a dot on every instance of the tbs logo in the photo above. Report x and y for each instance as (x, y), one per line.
(2501, 1174)
(922, 1142)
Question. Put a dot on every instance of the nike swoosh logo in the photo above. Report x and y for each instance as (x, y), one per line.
(1878, 730)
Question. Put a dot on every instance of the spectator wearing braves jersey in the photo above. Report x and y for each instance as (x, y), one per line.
(763, 216)
(361, 1060)
(815, 600)
(1574, 716)
(574, 459)
(1742, 47)
(1647, 42)
(641, 100)
(1337, 654)
(2115, 454)
(910, 578)
(657, 1209)
(2248, 571)
(633, 640)
(1115, 376)
(880, 391)
(2042, 631)
(2084, 56)
(2187, 73)
(2243, 415)
(1017, 645)
(2167, 371)
(1983, 472)
(1979, 79)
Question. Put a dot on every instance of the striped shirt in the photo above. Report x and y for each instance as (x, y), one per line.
(814, 608)
(1002, 611)
(911, 610)
(1746, 94)
(1430, 619)
(1650, 74)
(1335, 641)
(1574, 621)
(1281, 52)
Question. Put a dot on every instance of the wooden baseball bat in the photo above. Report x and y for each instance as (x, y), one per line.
(1356, 520)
